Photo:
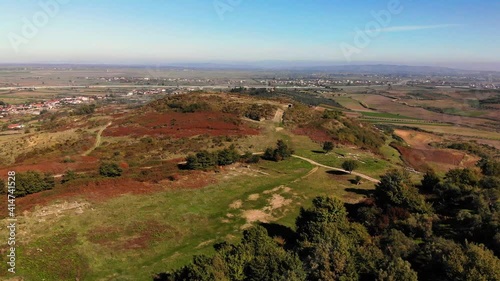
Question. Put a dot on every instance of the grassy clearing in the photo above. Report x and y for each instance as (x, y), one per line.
(163, 230)
(369, 163)
(191, 217)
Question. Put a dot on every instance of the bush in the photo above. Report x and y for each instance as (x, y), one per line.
(110, 170)
(33, 182)
(328, 146)
(86, 109)
(350, 165)
(69, 176)
(281, 152)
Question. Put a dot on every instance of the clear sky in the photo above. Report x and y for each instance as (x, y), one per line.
(447, 32)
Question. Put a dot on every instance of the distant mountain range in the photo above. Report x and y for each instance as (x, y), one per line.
(334, 69)
(296, 67)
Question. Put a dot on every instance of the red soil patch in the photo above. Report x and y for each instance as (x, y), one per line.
(180, 125)
(56, 166)
(93, 191)
(421, 158)
(314, 134)
(105, 189)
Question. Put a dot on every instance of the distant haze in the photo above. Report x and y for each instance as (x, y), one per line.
(257, 33)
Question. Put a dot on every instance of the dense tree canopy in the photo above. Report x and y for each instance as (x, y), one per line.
(448, 232)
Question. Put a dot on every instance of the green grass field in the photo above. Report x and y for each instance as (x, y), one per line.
(164, 230)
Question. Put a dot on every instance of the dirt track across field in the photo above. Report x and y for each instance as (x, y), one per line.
(336, 169)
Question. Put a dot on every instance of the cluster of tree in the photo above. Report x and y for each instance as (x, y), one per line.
(259, 111)
(192, 107)
(29, 183)
(85, 109)
(443, 229)
(261, 92)
(204, 160)
(481, 150)
(487, 103)
(305, 97)
(110, 170)
(281, 152)
(185, 103)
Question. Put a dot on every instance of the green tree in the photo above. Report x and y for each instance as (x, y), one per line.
(110, 170)
(350, 165)
(33, 182)
(396, 190)
(227, 156)
(430, 181)
(281, 152)
(397, 270)
(489, 167)
(328, 146)
(357, 180)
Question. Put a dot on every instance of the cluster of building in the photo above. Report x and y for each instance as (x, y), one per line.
(146, 92)
(322, 82)
(36, 108)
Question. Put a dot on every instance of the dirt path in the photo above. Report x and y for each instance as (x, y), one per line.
(97, 140)
(278, 117)
(328, 167)
(336, 169)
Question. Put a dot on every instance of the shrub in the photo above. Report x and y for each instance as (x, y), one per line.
(350, 165)
(110, 170)
(33, 182)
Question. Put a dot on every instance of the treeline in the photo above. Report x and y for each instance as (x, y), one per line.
(441, 229)
(85, 109)
(481, 150)
(205, 160)
(29, 183)
(305, 97)
(185, 103)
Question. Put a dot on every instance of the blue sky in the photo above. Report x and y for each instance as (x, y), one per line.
(448, 32)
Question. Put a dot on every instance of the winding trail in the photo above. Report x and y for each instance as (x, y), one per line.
(329, 167)
(97, 140)
(336, 169)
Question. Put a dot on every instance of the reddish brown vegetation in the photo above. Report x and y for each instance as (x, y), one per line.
(56, 166)
(180, 125)
(317, 135)
(421, 158)
(140, 235)
(96, 191)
